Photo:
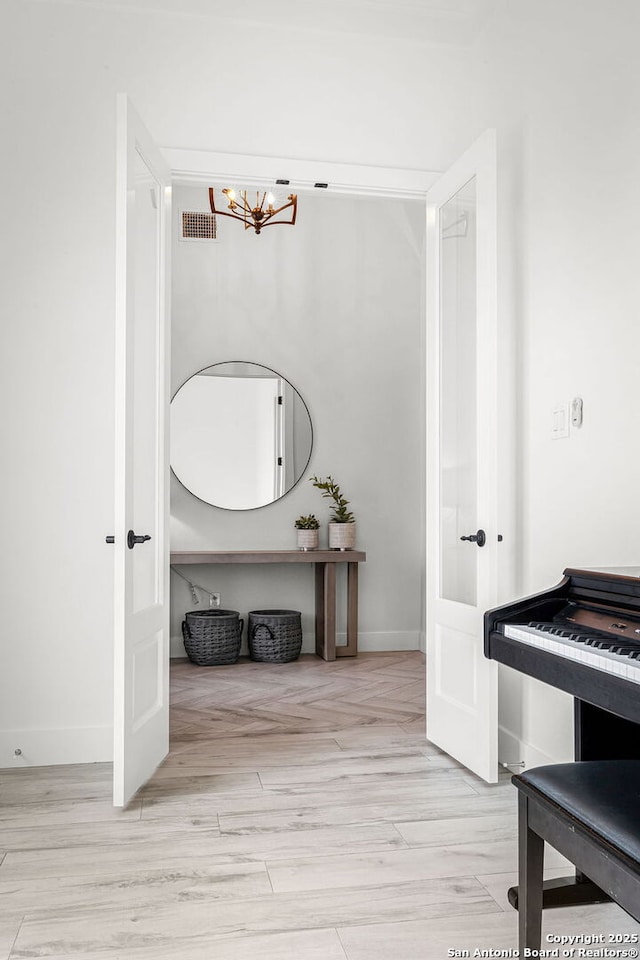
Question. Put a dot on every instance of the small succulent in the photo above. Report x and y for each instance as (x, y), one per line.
(330, 489)
(307, 523)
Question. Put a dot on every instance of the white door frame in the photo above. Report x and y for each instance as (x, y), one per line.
(200, 166)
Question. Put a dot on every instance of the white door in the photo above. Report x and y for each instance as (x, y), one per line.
(462, 437)
(141, 667)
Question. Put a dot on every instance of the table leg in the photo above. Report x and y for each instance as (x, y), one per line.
(326, 610)
(351, 647)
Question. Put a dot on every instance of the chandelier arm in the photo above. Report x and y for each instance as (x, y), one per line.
(221, 213)
(276, 223)
(287, 223)
(285, 206)
(234, 216)
(245, 204)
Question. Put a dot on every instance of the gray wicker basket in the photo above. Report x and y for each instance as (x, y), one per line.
(212, 637)
(275, 636)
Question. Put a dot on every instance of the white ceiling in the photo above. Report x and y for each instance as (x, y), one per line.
(456, 22)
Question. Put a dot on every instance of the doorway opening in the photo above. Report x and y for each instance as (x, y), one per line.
(335, 304)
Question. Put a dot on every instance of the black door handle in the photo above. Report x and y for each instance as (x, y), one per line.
(133, 538)
(480, 538)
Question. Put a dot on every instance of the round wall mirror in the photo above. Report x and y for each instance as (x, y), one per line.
(241, 435)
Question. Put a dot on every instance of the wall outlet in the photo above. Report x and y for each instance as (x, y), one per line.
(214, 599)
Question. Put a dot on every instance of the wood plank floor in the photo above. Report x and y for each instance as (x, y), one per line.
(300, 815)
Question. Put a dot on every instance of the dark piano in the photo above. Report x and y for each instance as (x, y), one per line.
(583, 637)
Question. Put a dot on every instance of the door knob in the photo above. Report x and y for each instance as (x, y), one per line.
(480, 538)
(133, 538)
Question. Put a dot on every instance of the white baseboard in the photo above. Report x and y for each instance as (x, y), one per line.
(370, 642)
(384, 640)
(43, 748)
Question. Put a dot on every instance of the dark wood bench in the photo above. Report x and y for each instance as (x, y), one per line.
(590, 812)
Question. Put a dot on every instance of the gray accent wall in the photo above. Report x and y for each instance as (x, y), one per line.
(335, 304)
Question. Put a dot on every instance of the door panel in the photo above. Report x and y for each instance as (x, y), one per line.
(145, 466)
(141, 641)
(458, 687)
(458, 385)
(147, 680)
(462, 458)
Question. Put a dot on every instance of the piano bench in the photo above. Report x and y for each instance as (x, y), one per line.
(590, 812)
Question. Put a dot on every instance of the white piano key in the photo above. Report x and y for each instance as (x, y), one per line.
(604, 660)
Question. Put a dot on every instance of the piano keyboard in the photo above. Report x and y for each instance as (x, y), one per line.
(614, 655)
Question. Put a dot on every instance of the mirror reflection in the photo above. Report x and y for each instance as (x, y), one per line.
(241, 435)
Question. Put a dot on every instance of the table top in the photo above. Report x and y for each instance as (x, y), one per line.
(268, 556)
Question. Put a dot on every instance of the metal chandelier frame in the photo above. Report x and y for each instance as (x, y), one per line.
(257, 217)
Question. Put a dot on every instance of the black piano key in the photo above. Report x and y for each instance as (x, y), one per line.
(599, 641)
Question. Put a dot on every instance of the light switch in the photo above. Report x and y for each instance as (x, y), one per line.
(576, 412)
(560, 422)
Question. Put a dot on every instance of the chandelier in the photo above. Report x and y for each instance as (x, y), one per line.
(259, 216)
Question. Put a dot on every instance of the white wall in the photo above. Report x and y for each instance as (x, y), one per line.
(334, 304)
(560, 81)
(336, 97)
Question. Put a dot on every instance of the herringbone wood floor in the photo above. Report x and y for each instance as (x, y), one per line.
(303, 697)
(300, 815)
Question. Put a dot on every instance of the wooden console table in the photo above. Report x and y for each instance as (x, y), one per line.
(325, 562)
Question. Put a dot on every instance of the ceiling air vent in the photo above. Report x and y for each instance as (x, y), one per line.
(198, 226)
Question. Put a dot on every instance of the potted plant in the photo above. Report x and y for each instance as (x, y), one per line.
(307, 528)
(342, 524)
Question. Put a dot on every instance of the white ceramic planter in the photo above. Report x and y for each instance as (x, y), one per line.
(308, 539)
(342, 536)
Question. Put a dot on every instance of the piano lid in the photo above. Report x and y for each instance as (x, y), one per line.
(619, 586)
